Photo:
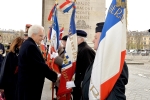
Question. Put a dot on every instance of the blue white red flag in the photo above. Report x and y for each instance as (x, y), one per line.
(51, 13)
(55, 31)
(69, 63)
(110, 55)
(66, 6)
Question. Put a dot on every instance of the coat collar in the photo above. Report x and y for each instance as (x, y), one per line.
(82, 44)
(30, 39)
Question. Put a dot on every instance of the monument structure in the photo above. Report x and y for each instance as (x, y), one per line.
(88, 13)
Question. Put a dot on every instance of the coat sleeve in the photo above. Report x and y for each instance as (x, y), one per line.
(37, 60)
(118, 91)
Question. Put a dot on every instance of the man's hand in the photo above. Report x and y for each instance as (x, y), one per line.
(58, 77)
(70, 84)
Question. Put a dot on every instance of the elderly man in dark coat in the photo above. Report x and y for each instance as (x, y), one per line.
(85, 56)
(118, 91)
(32, 69)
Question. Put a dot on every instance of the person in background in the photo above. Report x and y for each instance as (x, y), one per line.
(10, 64)
(32, 68)
(61, 51)
(2, 50)
(26, 31)
(85, 56)
(118, 91)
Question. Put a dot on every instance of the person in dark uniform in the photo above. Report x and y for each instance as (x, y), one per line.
(2, 50)
(118, 91)
(85, 56)
(10, 65)
(32, 68)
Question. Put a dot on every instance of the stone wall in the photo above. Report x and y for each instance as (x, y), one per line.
(88, 13)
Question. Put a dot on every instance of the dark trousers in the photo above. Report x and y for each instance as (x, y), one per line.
(77, 93)
(1, 59)
(10, 93)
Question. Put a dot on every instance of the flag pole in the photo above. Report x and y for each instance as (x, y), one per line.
(126, 13)
(56, 2)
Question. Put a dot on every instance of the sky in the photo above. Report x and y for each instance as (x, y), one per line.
(14, 14)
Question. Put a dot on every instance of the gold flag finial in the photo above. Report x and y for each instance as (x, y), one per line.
(120, 3)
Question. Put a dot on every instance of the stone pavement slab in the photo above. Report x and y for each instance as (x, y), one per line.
(138, 87)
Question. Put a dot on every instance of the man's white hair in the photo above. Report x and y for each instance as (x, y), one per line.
(35, 29)
(84, 38)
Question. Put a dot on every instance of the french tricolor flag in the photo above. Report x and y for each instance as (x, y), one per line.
(110, 56)
(66, 6)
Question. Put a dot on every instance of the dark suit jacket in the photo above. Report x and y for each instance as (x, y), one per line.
(32, 72)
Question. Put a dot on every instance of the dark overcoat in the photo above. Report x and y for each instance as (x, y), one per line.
(85, 56)
(8, 75)
(32, 72)
(118, 91)
(1, 56)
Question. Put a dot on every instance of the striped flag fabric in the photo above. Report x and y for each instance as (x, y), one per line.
(110, 56)
(61, 33)
(51, 13)
(69, 63)
(66, 6)
(54, 36)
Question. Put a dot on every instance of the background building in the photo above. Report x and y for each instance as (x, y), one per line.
(138, 40)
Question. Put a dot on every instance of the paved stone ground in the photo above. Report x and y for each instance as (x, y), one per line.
(138, 87)
(47, 94)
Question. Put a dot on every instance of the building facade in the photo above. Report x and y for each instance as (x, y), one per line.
(88, 13)
(138, 40)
